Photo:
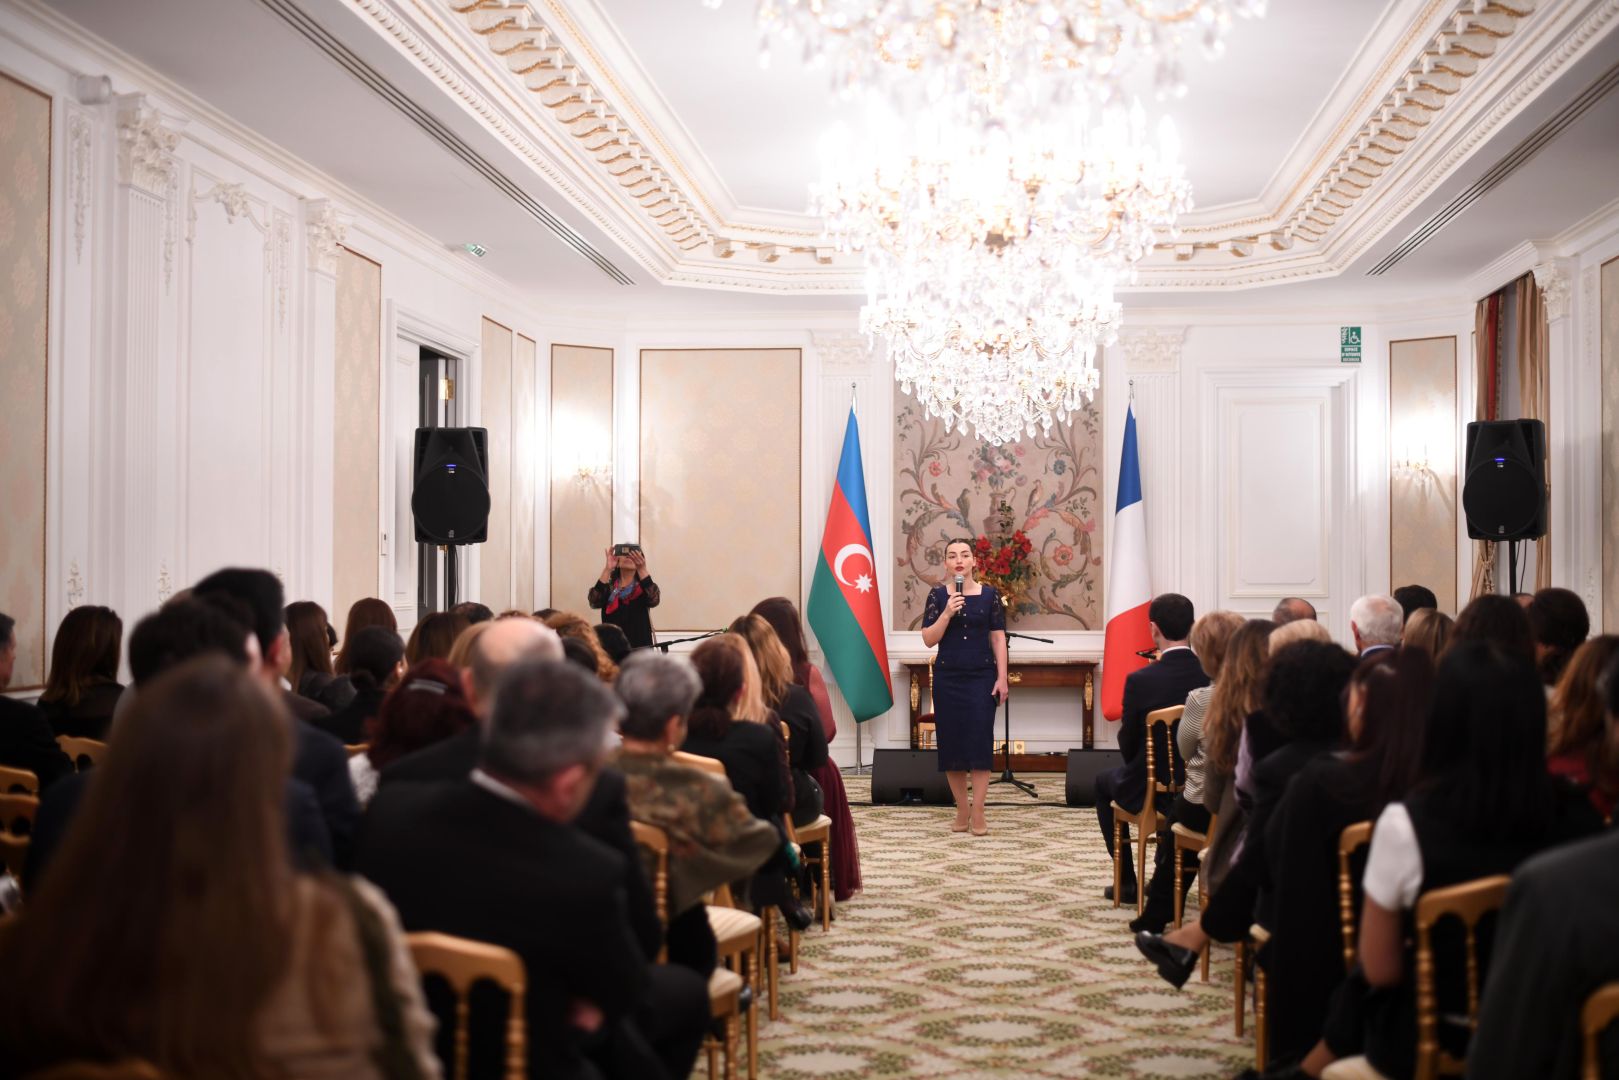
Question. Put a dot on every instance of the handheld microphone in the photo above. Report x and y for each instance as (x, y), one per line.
(1147, 654)
(960, 580)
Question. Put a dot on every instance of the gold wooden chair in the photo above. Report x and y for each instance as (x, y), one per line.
(1601, 1009)
(1260, 936)
(819, 832)
(461, 963)
(18, 781)
(356, 749)
(1350, 841)
(16, 822)
(1146, 820)
(86, 753)
(1197, 843)
(1469, 902)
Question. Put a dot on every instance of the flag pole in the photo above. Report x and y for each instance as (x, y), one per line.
(859, 750)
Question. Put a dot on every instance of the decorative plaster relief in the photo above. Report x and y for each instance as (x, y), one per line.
(145, 147)
(325, 230)
(78, 155)
(1149, 349)
(75, 585)
(1555, 287)
(844, 352)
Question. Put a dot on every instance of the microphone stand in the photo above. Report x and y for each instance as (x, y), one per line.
(1006, 776)
(663, 646)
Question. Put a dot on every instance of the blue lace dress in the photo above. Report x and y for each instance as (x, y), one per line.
(964, 680)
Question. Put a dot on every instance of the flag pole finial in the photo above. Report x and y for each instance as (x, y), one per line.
(1132, 391)
(853, 398)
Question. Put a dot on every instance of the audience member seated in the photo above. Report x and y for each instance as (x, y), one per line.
(786, 701)
(1559, 622)
(1291, 609)
(26, 739)
(1485, 804)
(376, 664)
(714, 839)
(1556, 941)
(1375, 623)
(82, 689)
(1162, 684)
(782, 616)
(1498, 620)
(1428, 629)
(577, 652)
(1237, 696)
(494, 857)
(753, 753)
(1415, 598)
(473, 612)
(174, 927)
(1583, 746)
(461, 651)
(362, 614)
(180, 631)
(311, 671)
(613, 642)
(1303, 691)
(321, 762)
(568, 625)
(1210, 636)
(426, 708)
(434, 636)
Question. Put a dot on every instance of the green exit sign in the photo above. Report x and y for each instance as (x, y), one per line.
(1349, 344)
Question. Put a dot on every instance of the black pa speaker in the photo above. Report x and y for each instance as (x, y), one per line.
(1504, 482)
(450, 501)
(1083, 767)
(896, 774)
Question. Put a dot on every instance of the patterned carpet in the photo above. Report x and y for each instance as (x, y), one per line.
(994, 956)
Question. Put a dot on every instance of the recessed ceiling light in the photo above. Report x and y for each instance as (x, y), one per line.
(475, 250)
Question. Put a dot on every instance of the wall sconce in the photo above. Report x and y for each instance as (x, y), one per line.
(1412, 458)
(581, 451)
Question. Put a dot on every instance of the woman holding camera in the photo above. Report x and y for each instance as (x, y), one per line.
(626, 594)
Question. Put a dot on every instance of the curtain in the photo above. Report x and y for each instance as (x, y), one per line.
(1487, 406)
(1534, 359)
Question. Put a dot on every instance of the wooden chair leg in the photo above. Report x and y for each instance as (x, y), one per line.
(1118, 873)
(1207, 949)
(1141, 861)
(826, 883)
(772, 960)
(1240, 987)
(731, 1045)
(1180, 887)
(712, 1048)
(1261, 1032)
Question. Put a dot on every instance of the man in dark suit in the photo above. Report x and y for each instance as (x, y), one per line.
(319, 760)
(495, 857)
(1159, 685)
(26, 738)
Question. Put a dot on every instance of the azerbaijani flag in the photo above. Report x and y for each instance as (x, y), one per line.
(1129, 586)
(843, 609)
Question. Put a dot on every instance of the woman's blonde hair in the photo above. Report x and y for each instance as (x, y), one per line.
(1236, 694)
(1296, 631)
(1210, 636)
(1428, 629)
(751, 704)
(460, 656)
(769, 655)
(567, 624)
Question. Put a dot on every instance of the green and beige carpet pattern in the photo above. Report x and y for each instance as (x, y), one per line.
(991, 956)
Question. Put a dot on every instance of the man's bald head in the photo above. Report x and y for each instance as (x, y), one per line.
(503, 644)
(1292, 609)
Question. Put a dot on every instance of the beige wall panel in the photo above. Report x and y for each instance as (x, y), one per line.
(355, 527)
(581, 454)
(25, 230)
(525, 471)
(1610, 446)
(1422, 480)
(496, 415)
(720, 475)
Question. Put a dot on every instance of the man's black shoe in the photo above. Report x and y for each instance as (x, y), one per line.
(1129, 894)
(1148, 922)
(1174, 963)
(798, 916)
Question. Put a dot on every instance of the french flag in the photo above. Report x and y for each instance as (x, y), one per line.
(1129, 585)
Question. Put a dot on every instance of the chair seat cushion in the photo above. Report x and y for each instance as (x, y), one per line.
(733, 928)
(1351, 1068)
(724, 990)
(1185, 837)
(815, 831)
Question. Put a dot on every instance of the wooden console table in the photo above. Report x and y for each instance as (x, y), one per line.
(1026, 674)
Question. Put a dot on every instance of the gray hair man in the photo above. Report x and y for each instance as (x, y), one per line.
(1376, 622)
(547, 736)
(1292, 609)
(658, 692)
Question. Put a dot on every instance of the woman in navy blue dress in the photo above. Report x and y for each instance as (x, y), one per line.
(968, 624)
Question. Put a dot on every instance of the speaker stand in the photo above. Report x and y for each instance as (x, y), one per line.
(1007, 776)
(450, 577)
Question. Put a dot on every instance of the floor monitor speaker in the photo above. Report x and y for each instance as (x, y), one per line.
(1083, 766)
(1504, 481)
(450, 501)
(908, 775)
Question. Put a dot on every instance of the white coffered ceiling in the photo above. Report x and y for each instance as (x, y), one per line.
(646, 133)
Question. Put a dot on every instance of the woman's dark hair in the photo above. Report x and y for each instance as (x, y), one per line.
(577, 651)
(474, 612)
(782, 616)
(545, 613)
(1396, 689)
(86, 651)
(723, 670)
(1559, 622)
(1578, 715)
(374, 654)
(434, 637)
(311, 648)
(1484, 759)
(427, 707)
(1496, 619)
(613, 641)
(1303, 691)
(363, 613)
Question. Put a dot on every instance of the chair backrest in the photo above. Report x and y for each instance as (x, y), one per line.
(461, 963)
(356, 749)
(1469, 903)
(1350, 842)
(129, 1069)
(656, 841)
(16, 822)
(1167, 719)
(18, 782)
(1601, 1009)
(85, 753)
(697, 761)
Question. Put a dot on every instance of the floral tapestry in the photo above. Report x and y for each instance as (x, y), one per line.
(950, 485)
